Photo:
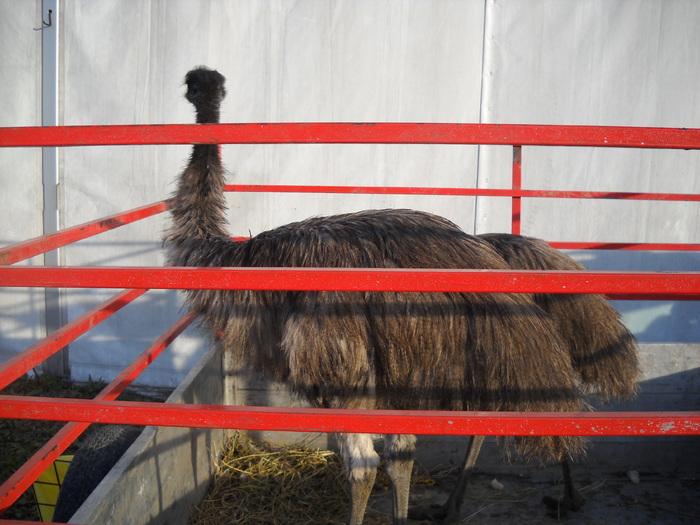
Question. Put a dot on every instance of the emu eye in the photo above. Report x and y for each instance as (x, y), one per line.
(193, 87)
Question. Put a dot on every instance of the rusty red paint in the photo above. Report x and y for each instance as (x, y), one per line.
(646, 246)
(459, 192)
(348, 133)
(23, 362)
(517, 183)
(368, 421)
(24, 250)
(355, 279)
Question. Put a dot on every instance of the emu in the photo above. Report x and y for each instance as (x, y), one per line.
(604, 352)
(370, 350)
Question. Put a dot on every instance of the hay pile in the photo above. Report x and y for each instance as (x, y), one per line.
(264, 483)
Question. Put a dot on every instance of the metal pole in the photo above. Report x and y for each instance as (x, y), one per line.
(54, 314)
(517, 184)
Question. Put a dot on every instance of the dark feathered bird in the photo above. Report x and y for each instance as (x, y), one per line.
(457, 351)
(603, 350)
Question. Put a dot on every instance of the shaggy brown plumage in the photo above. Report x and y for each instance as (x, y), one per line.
(603, 350)
(461, 351)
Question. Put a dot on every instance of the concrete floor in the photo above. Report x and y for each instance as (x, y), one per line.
(611, 500)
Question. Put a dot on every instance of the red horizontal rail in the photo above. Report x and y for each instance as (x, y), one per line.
(355, 279)
(565, 245)
(476, 192)
(353, 133)
(466, 192)
(460, 192)
(673, 247)
(23, 478)
(366, 421)
(648, 246)
(24, 250)
(23, 362)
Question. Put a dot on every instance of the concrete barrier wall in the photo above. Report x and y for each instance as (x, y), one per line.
(167, 470)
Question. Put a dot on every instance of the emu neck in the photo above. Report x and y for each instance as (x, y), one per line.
(198, 206)
(208, 115)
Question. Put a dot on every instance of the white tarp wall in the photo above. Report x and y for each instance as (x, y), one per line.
(628, 63)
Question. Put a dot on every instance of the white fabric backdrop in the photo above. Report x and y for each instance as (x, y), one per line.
(548, 62)
(20, 169)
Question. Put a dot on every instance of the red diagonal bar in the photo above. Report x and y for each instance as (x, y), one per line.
(353, 133)
(24, 250)
(23, 362)
(367, 421)
(23, 478)
(355, 279)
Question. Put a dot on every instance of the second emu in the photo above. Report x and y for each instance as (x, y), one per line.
(366, 350)
(602, 350)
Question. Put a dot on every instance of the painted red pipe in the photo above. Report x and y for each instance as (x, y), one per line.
(366, 421)
(25, 250)
(459, 192)
(645, 246)
(355, 279)
(517, 183)
(23, 362)
(353, 133)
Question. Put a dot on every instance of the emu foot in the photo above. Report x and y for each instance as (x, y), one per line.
(559, 508)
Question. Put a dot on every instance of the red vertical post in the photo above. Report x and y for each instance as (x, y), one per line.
(517, 185)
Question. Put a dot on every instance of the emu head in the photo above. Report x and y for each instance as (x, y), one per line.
(205, 90)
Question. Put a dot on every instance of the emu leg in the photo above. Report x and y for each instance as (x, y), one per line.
(360, 489)
(454, 502)
(360, 460)
(400, 452)
(572, 499)
(450, 510)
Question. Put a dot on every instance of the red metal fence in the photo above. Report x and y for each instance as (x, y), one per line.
(137, 281)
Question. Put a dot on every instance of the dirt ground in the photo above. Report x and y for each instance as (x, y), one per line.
(613, 500)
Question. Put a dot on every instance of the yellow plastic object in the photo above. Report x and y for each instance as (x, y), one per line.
(46, 487)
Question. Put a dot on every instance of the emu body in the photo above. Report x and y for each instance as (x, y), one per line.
(454, 351)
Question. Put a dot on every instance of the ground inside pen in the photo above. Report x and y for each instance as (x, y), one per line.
(288, 484)
(284, 485)
(276, 484)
